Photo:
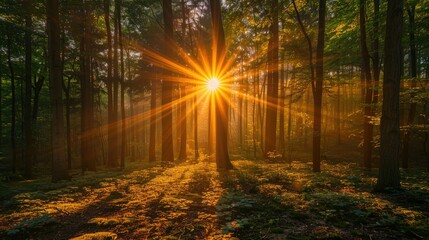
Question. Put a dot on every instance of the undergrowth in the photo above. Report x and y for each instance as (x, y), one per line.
(256, 200)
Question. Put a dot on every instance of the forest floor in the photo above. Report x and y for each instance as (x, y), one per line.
(256, 200)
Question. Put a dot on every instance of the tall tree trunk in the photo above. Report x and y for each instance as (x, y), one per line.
(1, 104)
(240, 104)
(122, 80)
(59, 164)
(338, 108)
(88, 154)
(167, 89)
(196, 151)
(136, 132)
(28, 89)
(282, 146)
(194, 105)
(389, 175)
(13, 108)
(221, 105)
(211, 122)
(112, 156)
(113, 126)
(254, 119)
(375, 46)
(183, 115)
(183, 127)
(272, 83)
(368, 112)
(413, 105)
(289, 118)
(68, 127)
(319, 86)
(134, 129)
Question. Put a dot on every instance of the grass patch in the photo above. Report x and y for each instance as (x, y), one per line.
(97, 236)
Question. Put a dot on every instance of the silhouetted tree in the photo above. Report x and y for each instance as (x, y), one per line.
(221, 105)
(59, 164)
(389, 129)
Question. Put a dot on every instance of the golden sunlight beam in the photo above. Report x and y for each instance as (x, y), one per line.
(212, 84)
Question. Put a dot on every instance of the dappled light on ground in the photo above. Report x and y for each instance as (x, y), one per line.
(194, 201)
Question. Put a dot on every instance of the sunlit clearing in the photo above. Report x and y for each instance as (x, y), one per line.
(212, 84)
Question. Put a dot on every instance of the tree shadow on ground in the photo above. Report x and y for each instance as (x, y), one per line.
(300, 204)
(64, 209)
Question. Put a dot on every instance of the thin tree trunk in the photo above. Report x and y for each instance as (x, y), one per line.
(1, 104)
(194, 106)
(113, 125)
(122, 80)
(211, 140)
(13, 108)
(183, 127)
(112, 156)
(413, 105)
(310, 46)
(240, 106)
(313, 87)
(338, 109)
(282, 146)
(319, 86)
(376, 55)
(68, 127)
(28, 135)
(254, 124)
(183, 115)
(152, 134)
(368, 93)
(167, 89)
(134, 130)
(196, 152)
(289, 123)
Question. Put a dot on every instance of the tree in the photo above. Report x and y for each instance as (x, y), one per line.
(413, 69)
(282, 107)
(368, 110)
(1, 103)
(221, 105)
(122, 80)
(152, 131)
(13, 109)
(111, 138)
(318, 90)
(59, 164)
(167, 89)
(389, 176)
(183, 94)
(273, 81)
(28, 88)
(88, 155)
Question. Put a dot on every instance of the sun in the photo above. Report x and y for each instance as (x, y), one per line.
(213, 84)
